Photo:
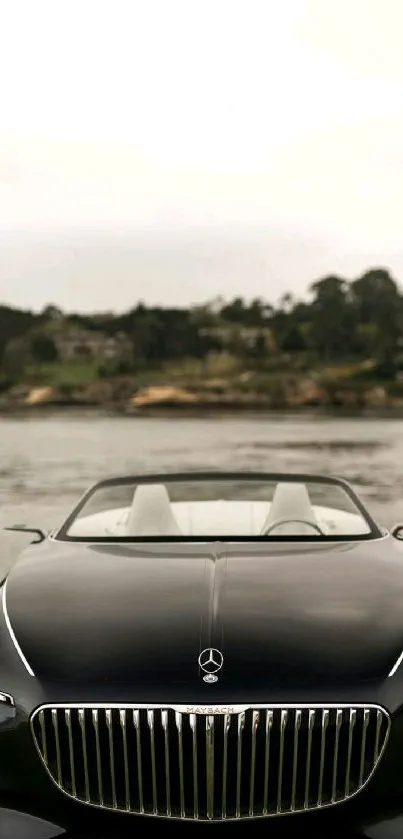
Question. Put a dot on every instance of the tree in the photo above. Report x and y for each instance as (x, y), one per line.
(375, 295)
(51, 313)
(332, 317)
(234, 311)
(286, 302)
(44, 349)
(14, 323)
(294, 340)
(15, 357)
(256, 313)
(258, 350)
(378, 303)
(362, 319)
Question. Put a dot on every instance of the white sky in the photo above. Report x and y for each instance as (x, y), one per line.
(197, 147)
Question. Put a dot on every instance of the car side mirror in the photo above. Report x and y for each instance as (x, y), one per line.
(397, 532)
(22, 528)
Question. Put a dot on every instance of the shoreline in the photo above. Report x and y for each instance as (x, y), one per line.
(202, 411)
(283, 395)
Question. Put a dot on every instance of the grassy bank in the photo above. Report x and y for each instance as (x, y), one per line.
(218, 382)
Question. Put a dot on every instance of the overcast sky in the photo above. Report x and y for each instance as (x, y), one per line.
(175, 150)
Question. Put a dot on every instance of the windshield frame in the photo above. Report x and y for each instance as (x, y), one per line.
(374, 532)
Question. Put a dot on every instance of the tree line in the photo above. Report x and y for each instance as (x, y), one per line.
(362, 318)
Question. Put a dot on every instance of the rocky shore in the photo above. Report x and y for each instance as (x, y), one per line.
(285, 392)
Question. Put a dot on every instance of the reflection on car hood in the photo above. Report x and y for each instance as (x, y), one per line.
(280, 614)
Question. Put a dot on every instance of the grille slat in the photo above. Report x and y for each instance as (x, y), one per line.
(55, 722)
(255, 723)
(241, 724)
(227, 723)
(325, 723)
(283, 725)
(377, 736)
(339, 717)
(109, 724)
(363, 744)
(125, 758)
(353, 717)
(67, 715)
(150, 717)
(311, 723)
(81, 719)
(41, 718)
(98, 758)
(295, 760)
(164, 721)
(269, 723)
(136, 720)
(193, 726)
(178, 719)
(210, 764)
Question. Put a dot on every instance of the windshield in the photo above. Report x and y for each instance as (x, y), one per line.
(233, 508)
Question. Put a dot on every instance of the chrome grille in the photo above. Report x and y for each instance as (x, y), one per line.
(210, 763)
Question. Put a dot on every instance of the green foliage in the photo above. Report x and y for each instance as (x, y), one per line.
(342, 322)
(294, 340)
(74, 373)
(6, 383)
(43, 349)
(332, 317)
(108, 370)
(14, 324)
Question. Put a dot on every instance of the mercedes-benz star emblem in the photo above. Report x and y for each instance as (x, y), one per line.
(211, 661)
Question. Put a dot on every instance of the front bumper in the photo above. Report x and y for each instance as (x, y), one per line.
(31, 806)
(15, 824)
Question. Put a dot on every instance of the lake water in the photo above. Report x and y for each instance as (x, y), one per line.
(47, 462)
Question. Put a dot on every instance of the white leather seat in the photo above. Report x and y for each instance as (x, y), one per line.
(290, 507)
(151, 513)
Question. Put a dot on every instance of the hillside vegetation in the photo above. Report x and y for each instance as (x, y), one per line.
(343, 346)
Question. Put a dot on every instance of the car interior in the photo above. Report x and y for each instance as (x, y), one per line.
(287, 511)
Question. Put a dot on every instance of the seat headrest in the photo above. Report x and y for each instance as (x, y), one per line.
(151, 513)
(290, 501)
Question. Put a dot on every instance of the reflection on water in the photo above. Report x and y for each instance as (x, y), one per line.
(47, 462)
(325, 445)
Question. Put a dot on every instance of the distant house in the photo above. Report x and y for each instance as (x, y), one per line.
(246, 335)
(75, 344)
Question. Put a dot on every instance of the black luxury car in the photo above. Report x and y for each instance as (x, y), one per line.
(213, 651)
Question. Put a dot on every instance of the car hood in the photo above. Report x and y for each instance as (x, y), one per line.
(280, 614)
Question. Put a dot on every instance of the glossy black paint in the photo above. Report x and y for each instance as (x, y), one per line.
(280, 614)
(302, 623)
